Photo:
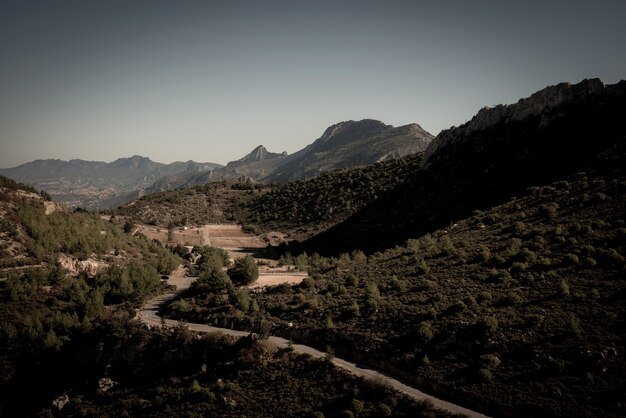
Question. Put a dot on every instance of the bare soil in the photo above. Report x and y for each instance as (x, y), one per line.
(231, 238)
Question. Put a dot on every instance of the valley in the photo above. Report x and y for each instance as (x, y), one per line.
(486, 269)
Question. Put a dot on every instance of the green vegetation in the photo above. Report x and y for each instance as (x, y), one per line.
(490, 311)
(70, 346)
(244, 271)
(300, 208)
(120, 368)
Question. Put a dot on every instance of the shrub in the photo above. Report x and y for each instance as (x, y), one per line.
(384, 410)
(351, 280)
(489, 361)
(549, 210)
(245, 271)
(425, 331)
(512, 299)
(484, 296)
(518, 266)
(485, 375)
(534, 320)
(574, 325)
(488, 325)
(422, 267)
(307, 283)
(484, 255)
(572, 259)
(253, 229)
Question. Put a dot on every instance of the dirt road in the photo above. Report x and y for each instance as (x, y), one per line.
(148, 314)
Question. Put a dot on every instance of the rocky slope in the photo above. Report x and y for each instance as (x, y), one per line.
(349, 144)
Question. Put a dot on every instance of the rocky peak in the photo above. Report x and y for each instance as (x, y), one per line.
(346, 127)
(537, 104)
(343, 133)
(260, 153)
(136, 161)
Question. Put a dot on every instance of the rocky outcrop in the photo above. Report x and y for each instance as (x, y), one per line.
(538, 103)
(260, 153)
(75, 266)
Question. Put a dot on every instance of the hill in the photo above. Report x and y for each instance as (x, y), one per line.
(495, 156)
(70, 346)
(515, 311)
(298, 209)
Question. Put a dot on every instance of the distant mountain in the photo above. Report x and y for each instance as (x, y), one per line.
(343, 145)
(349, 144)
(94, 184)
(260, 153)
(549, 136)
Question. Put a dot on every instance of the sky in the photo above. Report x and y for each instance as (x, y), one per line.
(211, 80)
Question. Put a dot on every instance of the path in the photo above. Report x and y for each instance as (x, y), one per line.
(148, 314)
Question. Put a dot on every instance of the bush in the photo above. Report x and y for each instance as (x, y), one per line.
(534, 320)
(485, 375)
(244, 272)
(549, 210)
(489, 361)
(488, 325)
(425, 331)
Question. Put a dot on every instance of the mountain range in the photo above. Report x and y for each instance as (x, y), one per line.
(92, 184)
(343, 145)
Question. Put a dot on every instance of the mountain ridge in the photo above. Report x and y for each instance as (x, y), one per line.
(96, 184)
(479, 165)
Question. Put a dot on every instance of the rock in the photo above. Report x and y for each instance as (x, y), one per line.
(537, 104)
(75, 266)
(61, 401)
(105, 384)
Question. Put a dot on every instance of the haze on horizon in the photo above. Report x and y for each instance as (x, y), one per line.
(209, 81)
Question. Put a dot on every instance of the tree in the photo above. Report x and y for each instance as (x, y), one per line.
(244, 272)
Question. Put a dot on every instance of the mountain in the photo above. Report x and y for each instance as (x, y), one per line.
(497, 155)
(343, 145)
(494, 273)
(93, 184)
(260, 153)
(349, 144)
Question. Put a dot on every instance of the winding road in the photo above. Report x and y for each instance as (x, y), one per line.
(148, 314)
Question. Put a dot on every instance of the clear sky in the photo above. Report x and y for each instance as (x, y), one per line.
(210, 80)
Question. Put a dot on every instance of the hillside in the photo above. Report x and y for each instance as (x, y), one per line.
(515, 311)
(299, 209)
(495, 156)
(349, 144)
(70, 346)
(95, 184)
(306, 207)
